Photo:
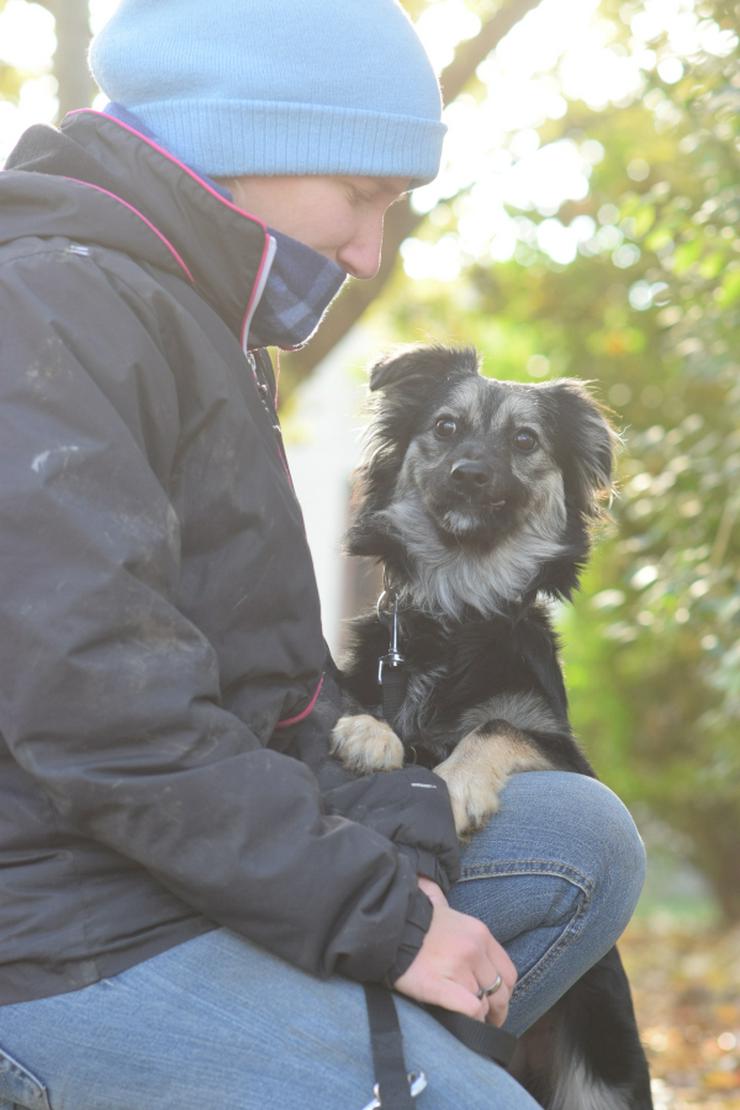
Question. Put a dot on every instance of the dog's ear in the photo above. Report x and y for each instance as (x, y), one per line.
(414, 369)
(585, 443)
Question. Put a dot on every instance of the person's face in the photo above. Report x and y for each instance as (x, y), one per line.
(340, 217)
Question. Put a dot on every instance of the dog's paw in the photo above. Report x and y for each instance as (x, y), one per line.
(364, 744)
(474, 797)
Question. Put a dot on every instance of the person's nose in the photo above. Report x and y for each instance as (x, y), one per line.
(360, 256)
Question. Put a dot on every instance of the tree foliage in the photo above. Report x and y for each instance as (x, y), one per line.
(661, 627)
(648, 310)
(75, 87)
(11, 79)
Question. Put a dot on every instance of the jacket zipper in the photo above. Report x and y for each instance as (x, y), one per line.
(265, 392)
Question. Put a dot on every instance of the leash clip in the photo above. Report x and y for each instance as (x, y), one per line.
(417, 1083)
(393, 658)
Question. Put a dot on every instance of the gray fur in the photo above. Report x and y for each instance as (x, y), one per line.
(526, 711)
(445, 579)
(578, 1089)
(448, 571)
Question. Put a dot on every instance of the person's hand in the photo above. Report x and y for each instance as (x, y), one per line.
(457, 959)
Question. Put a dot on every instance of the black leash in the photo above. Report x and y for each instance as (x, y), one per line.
(394, 1084)
(487, 1040)
(391, 1079)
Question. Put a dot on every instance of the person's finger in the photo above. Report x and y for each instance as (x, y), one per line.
(498, 1005)
(503, 963)
(496, 993)
(454, 996)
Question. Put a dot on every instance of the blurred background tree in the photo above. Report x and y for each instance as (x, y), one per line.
(598, 238)
(636, 286)
(656, 635)
(74, 86)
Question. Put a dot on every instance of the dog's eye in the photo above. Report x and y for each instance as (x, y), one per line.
(445, 427)
(525, 440)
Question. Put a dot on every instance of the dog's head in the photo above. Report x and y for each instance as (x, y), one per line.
(478, 492)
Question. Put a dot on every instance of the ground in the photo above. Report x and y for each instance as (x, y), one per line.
(686, 984)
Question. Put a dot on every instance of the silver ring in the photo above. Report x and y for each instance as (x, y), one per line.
(484, 992)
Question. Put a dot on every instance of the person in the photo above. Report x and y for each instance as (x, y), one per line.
(189, 901)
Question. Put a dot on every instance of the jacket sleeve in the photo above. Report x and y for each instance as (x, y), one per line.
(109, 695)
(412, 808)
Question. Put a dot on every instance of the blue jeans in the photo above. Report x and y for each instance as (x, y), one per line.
(219, 1024)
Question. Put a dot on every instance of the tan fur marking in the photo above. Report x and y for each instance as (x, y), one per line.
(477, 770)
(364, 744)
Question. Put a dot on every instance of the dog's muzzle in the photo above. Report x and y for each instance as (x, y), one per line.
(474, 480)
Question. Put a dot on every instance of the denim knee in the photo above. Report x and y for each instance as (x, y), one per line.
(557, 825)
(623, 863)
(555, 875)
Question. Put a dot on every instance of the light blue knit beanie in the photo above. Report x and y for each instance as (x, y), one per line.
(277, 86)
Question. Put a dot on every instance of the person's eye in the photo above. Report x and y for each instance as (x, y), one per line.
(525, 440)
(355, 195)
(445, 427)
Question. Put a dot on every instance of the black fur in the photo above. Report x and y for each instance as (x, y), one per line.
(501, 525)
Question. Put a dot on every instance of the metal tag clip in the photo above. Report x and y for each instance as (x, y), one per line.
(417, 1083)
(393, 657)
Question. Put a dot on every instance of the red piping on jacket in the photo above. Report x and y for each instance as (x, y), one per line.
(304, 712)
(163, 238)
(170, 157)
(204, 184)
(240, 212)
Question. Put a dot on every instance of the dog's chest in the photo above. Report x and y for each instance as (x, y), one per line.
(444, 676)
(450, 672)
(418, 719)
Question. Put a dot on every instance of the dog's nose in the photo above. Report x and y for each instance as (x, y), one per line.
(470, 474)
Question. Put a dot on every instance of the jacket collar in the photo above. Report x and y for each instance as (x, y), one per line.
(133, 195)
(301, 283)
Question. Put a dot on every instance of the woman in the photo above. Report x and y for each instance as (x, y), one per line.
(187, 908)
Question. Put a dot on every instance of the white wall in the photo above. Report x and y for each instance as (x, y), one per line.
(323, 440)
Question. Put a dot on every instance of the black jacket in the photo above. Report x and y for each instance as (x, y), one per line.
(160, 640)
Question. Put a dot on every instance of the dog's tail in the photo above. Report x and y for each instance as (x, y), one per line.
(585, 1053)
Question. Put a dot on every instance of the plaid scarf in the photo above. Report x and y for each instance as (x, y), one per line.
(301, 286)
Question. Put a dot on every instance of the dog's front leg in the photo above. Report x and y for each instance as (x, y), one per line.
(364, 744)
(477, 770)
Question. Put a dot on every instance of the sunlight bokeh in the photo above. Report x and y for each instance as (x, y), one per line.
(493, 156)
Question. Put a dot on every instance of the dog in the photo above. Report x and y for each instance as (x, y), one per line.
(478, 497)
